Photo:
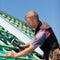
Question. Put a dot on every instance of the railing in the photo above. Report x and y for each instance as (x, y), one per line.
(5, 45)
(21, 25)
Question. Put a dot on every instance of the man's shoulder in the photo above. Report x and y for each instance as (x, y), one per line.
(44, 25)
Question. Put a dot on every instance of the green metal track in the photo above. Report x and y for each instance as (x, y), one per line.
(19, 24)
(6, 38)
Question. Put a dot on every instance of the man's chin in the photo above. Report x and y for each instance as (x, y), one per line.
(32, 28)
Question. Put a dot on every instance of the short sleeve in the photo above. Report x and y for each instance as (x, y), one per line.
(39, 39)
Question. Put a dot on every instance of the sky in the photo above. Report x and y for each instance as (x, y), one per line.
(48, 10)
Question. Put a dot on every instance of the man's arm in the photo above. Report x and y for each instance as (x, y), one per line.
(37, 41)
(26, 45)
(26, 51)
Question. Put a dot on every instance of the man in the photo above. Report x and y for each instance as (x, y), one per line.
(44, 37)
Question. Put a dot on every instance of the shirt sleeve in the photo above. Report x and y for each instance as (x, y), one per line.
(39, 39)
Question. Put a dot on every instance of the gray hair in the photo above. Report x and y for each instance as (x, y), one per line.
(31, 14)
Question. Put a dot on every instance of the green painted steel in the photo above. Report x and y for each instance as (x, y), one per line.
(6, 39)
(19, 24)
(5, 45)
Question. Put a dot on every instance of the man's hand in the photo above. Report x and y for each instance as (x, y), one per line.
(11, 54)
(23, 47)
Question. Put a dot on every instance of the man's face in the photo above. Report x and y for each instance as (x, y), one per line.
(32, 22)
